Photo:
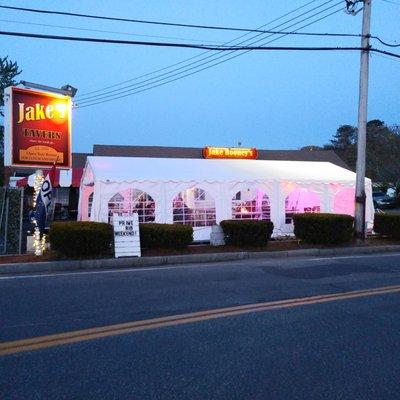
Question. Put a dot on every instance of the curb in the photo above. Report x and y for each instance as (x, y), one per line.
(120, 263)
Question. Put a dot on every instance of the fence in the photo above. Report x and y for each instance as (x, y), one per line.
(11, 220)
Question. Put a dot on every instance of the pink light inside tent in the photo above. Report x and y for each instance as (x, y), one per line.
(127, 195)
(303, 201)
(86, 192)
(259, 200)
(344, 202)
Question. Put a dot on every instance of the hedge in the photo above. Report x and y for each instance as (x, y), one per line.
(170, 236)
(388, 225)
(81, 239)
(323, 228)
(247, 232)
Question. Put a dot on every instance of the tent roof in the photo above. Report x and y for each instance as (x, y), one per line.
(139, 169)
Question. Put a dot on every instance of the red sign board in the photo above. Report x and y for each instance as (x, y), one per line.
(39, 128)
(230, 152)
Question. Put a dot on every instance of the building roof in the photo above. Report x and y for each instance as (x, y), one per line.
(197, 152)
(79, 159)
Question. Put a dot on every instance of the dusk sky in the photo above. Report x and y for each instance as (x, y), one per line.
(265, 99)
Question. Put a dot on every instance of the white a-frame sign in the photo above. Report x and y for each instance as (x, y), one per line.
(126, 236)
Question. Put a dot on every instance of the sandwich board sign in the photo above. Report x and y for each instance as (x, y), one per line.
(126, 236)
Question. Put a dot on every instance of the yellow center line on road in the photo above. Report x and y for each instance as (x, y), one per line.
(43, 342)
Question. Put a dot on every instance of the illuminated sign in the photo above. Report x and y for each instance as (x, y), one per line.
(38, 128)
(230, 152)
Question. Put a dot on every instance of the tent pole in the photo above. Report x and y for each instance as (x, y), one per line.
(6, 225)
(2, 206)
(21, 217)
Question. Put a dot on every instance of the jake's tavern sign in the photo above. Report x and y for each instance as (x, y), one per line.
(38, 128)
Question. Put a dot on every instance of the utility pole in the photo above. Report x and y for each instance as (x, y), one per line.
(362, 123)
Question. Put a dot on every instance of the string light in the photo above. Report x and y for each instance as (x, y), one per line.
(43, 243)
(39, 243)
(37, 184)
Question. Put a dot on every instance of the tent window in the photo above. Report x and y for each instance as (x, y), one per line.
(132, 201)
(90, 204)
(301, 201)
(344, 202)
(251, 204)
(199, 194)
(194, 207)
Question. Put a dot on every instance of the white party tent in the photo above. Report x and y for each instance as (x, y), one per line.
(203, 192)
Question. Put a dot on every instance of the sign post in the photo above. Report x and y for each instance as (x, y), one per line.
(126, 236)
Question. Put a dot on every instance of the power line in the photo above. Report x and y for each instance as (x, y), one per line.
(89, 95)
(133, 42)
(41, 11)
(104, 31)
(388, 53)
(247, 49)
(191, 45)
(169, 44)
(385, 43)
(104, 40)
(116, 41)
(207, 51)
(174, 24)
(142, 86)
(213, 57)
(318, 34)
(143, 43)
(94, 102)
(197, 67)
(168, 79)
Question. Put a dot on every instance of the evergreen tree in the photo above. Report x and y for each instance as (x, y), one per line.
(8, 71)
(382, 153)
(345, 136)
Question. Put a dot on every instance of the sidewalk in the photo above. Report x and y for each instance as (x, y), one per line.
(134, 262)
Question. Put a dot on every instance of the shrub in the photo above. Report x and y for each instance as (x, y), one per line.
(323, 228)
(81, 239)
(170, 236)
(247, 232)
(388, 225)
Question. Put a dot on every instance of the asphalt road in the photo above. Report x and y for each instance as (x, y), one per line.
(347, 348)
